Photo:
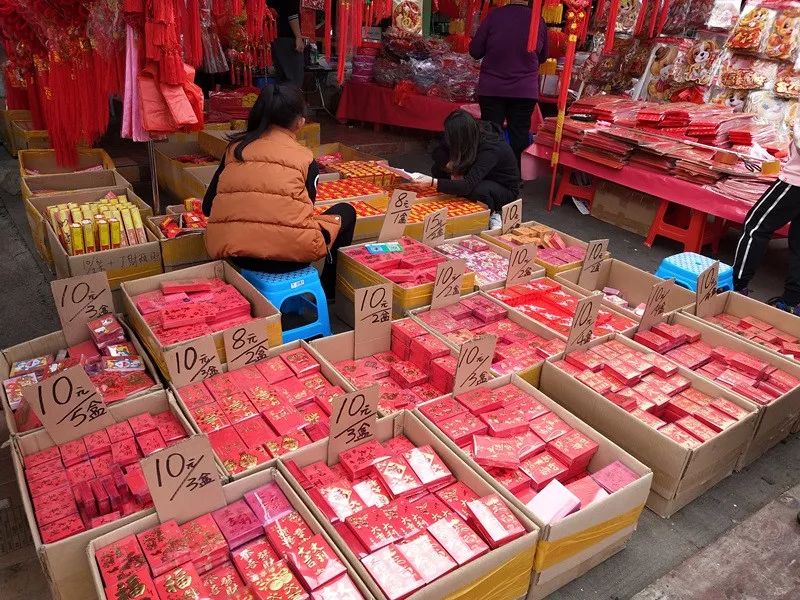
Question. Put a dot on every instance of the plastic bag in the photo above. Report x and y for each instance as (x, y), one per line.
(784, 35)
(750, 33)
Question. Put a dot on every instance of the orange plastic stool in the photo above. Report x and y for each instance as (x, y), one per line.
(566, 188)
(694, 235)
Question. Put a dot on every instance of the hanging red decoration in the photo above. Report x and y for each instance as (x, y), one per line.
(533, 32)
(611, 27)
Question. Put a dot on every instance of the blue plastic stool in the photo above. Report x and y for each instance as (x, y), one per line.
(285, 291)
(687, 266)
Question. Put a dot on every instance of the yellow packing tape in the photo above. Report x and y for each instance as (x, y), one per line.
(550, 553)
(509, 581)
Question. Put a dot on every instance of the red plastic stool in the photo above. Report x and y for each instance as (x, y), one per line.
(693, 235)
(566, 188)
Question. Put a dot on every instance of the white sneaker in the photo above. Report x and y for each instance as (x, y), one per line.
(495, 221)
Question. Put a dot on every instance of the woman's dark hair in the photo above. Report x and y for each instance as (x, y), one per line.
(463, 134)
(278, 105)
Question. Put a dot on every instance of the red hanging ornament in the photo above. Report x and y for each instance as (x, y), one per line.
(611, 27)
(533, 32)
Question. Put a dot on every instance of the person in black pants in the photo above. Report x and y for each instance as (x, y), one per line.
(474, 162)
(289, 47)
(345, 212)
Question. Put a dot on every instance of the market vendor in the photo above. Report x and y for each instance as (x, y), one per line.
(288, 49)
(260, 202)
(474, 162)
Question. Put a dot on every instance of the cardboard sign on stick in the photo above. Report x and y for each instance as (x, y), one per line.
(372, 329)
(394, 224)
(354, 419)
(246, 344)
(656, 301)
(79, 300)
(448, 282)
(511, 214)
(707, 283)
(433, 227)
(521, 264)
(583, 322)
(590, 270)
(474, 363)
(193, 361)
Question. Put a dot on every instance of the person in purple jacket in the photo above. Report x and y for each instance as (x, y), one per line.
(508, 86)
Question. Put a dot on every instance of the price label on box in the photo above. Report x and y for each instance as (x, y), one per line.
(354, 419)
(474, 363)
(183, 480)
(79, 300)
(590, 270)
(372, 331)
(521, 264)
(707, 283)
(511, 214)
(580, 333)
(246, 344)
(396, 219)
(433, 226)
(68, 405)
(448, 283)
(193, 361)
(656, 303)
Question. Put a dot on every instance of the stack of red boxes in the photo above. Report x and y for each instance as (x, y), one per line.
(650, 388)
(518, 441)
(415, 264)
(552, 305)
(258, 547)
(108, 358)
(262, 411)
(517, 348)
(184, 310)
(737, 371)
(401, 511)
(759, 332)
(96, 479)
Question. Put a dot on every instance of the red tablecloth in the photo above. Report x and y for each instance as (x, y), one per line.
(536, 163)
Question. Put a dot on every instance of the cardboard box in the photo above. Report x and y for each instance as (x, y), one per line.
(183, 251)
(64, 562)
(626, 208)
(170, 171)
(215, 142)
(679, 475)
(774, 421)
(43, 162)
(197, 179)
(367, 228)
(36, 210)
(217, 269)
(50, 185)
(347, 153)
(6, 117)
(28, 138)
(131, 170)
(52, 343)
(457, 226)
(569, 546)
(233, 491)
(502, 574)
(634, 284)
(328, 371)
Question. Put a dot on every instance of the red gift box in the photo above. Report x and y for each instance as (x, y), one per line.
(398, 477)
(164, 547)
(287, 532)
(315, 562)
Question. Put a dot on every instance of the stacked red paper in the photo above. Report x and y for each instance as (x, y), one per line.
(415, 264)
(760, 332)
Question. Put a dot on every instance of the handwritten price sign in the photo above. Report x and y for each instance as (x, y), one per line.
(448, 282)
(511, 214)
(192, 362)
(656, 304)
(590, 270)
(68, 405)
(521, 264)
(246, 344)
(707, 283)
(183, 480)
(80, 300)
(474, 363)
(394, 224)
(372, 332)
(433, 227)
(354, 419)
(580, 333)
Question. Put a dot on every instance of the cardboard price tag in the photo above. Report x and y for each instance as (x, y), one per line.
(511, 214)
(68, 405)
(79, 300)
(580, 333)
(433, 227)
(707, 283)
(656, 301)
(246, 344)
(183, 480)
(474, 363)
(354, 419)
(394, 224)
(193, 361)
(448, 282)
(590, 270)
(372, 332)
(521, 264)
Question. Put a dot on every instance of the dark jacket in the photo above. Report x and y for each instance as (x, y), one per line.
(495, 161)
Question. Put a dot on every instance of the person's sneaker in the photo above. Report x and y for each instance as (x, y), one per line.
(495, 221)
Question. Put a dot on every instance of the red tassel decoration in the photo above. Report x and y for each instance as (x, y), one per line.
(192, 38)
(533, 33)
(326, 36)
(640, 19)
(341, 40)
(654, 14)
(611, 27)
(662, 18)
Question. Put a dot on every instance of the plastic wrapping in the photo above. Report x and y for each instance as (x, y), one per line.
(746, 73)
(677, 17)
(735, 99)
(752, 29)
(772, 110)
(661, 78)
(784, 35)
(697, 63)
(724, 15)
(787, 83)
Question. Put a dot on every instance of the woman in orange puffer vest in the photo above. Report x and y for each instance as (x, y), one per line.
(260, 202)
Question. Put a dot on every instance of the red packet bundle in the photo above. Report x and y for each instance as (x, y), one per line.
(587, 491)
(456, 497)
(341, 588)
(106, 330)
(553, 503)
(680, 436)
(287, 532)
(358, 461)
(491, 451)
(138, 580)
(458, 539)
(427, 556)
(181, 582)
(150, 442)
(428, 467)
(393, 573)
(480, 400)
(164, 547)
(300, 362)
(237, 523)
(207, 545)
(339, 500)
(495, 520)
(695, 428)
(398, 477)
(462, 427)
(374, 528)
(315, 562)
(614, 477)
(441, 409)
(274, 369)
(573, 449)
(120, 559)
(224, 583)
(255, 561)
(186, 286)
(371, 492)
(268, 503)
(506, 422)
(542, 469)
